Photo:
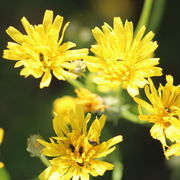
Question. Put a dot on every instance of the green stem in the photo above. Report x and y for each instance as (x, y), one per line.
(115, 158)
(118, 170)
(126, 114)
(44, 160)
(144, 17)
(157, 14)
(4, 174)
(90, 85)
(75, 83)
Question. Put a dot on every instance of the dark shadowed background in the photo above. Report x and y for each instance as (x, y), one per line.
(25, 109)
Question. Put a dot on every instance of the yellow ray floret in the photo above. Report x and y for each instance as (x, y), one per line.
(76, 150)
(63, 106)
(173, 150)
(122, 58)
(1, 139)
(90, 101)
(164, 111)
(41, 51)
(1, 134)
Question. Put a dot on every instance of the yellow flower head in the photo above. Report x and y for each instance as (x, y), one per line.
(173, 134)
(121, 59)
(163, 110)
(90, 101)
(173, 150)
(1, 139)
(41, 50)
(75, 150)
(63, 106)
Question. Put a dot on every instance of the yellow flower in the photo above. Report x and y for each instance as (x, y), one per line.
(1, 134)
(173, 134)
(1, 139)
(173, 150)
(63, 106)
(41, 50)
(90, 101)
(163, 110)
(121, 59)
(76, 150)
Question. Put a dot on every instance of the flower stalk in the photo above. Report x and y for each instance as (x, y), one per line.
(75, 83)
(44, 160)
(145, 15)
(157, 14)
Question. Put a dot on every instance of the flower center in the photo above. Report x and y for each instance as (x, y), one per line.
(46, 62)
(172, 111)
(80, 154)
(120, 72)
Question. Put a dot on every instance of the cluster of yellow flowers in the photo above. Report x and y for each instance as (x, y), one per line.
(120, 59)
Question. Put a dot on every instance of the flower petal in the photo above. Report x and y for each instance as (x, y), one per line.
(46, 79)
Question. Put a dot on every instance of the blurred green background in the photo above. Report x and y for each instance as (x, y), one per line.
(25, 109)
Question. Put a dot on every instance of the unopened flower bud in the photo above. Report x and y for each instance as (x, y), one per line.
(33, 146)
(79, 68)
